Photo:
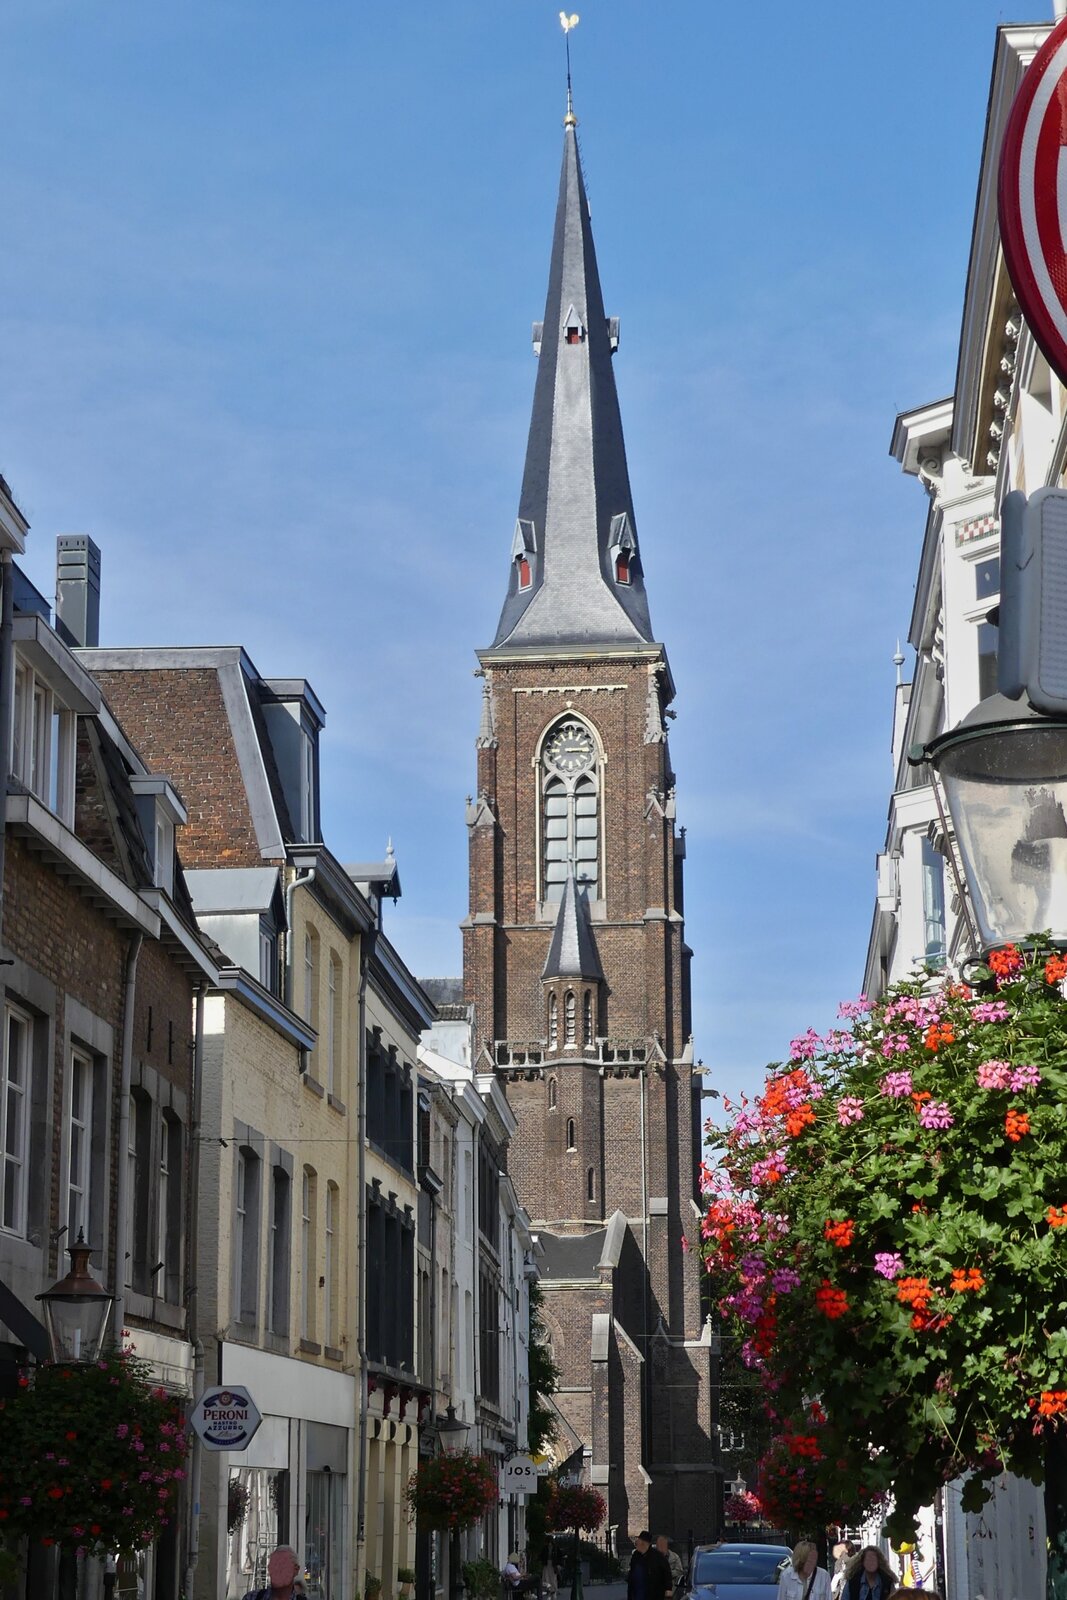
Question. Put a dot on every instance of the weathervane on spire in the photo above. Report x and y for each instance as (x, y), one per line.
(567, 22)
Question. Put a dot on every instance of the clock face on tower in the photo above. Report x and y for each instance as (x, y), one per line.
(570, 748)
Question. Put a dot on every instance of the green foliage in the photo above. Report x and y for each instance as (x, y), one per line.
(372, 1587)
(544, 1378)
(405, 1575)
(93, 1456)
(886, 1228)
(481, 1579)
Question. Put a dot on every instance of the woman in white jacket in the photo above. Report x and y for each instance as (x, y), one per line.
(804, 1579)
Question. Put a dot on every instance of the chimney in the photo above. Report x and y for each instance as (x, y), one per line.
(78, 590)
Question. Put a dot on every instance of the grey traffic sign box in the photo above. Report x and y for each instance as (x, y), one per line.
(226, 1417)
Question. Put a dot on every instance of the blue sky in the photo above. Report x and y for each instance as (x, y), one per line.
(266, 284)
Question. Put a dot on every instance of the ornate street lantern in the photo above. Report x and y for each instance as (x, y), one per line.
(76, 1310)
(1004, 774)
(452, 1433)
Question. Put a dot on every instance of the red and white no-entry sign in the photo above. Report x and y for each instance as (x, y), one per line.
(1033, 197)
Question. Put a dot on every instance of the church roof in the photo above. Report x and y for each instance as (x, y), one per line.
(573, 1257)
(573, 951)
(576, 529)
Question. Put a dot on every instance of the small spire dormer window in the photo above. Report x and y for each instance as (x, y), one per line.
(523, 548)
(623, 549)
(573, 327)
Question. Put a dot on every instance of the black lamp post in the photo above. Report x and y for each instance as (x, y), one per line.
(1004, 774)
(452, 1437)
(76, 1312)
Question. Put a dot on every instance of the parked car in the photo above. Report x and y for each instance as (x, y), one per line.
(737, 1571)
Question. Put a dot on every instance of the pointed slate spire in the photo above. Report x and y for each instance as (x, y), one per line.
(573, 951)
(578, 577)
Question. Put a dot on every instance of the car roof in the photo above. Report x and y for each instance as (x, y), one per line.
(705, 1549)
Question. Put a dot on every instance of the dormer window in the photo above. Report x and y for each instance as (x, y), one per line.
(623, 547)
(523, 547)
(573, 327)
(160, 811)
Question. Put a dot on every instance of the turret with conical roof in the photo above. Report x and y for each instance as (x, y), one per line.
(575, 572)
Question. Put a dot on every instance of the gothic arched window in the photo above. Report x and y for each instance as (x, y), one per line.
(552, 1094)
(553, 1024)
(587, 1018)
(571, 1141)
(570, 1020)
(570, 809)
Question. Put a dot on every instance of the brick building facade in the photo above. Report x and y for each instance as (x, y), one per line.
(575, 959)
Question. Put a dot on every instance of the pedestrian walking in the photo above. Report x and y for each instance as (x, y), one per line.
(282, 1569)
(549, 1576)
(869, 1576)
(649, 1577)
(673, 1560)
(842, 1554)
(803, 1578)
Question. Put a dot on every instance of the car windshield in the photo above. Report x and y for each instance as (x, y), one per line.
(738, 1566)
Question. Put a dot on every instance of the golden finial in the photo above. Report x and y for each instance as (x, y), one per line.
(569, 20)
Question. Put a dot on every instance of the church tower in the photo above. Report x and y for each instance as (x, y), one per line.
(575, 959)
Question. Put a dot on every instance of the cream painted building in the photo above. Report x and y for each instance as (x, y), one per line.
(1004, 427)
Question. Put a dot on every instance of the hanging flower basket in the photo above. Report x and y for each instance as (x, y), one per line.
(93, 1456)
(237, 1498)
(452, 1491)
(743, 1507)
(577, 1507)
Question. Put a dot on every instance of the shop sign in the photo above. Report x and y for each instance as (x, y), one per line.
(225, 1418)
(518, 1475)
(1032, 198)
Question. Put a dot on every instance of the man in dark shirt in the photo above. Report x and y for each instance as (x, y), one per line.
(649, 1577)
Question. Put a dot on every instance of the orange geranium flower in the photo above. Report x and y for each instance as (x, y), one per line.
(1016, 1123)
(1057, 1216)
(1007, 962)
(831, 1301)
(1053, 1402)
(941, 1033)
(914, 1292)
(1055, 969)
(839, 1233)
(967, 1280)
(798, 1120)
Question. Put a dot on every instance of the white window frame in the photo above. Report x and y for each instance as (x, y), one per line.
(16, 1093)
(80, 1165)
(307, 1298)
(333, 1042)
(43, 742)
(240, 1227)
(310, 996)
(329, 1309)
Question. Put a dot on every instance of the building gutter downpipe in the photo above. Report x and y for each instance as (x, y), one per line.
(7, 696)
(122, 1185)
(196, 1453)
(367, 946)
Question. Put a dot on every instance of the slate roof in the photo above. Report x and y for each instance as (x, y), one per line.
(443, 991)
(576, 486)
(573, 952)
(573, 1256)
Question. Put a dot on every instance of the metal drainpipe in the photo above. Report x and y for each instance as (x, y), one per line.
(367, 944)
(297, 883)
(646, 1412)
(122, 1186)
(196, 1455)
(7, 693)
